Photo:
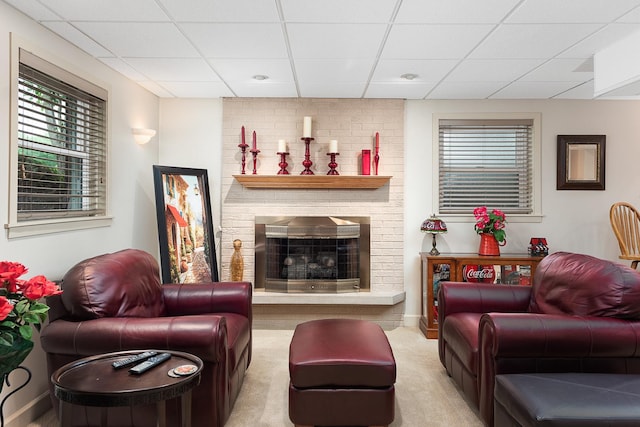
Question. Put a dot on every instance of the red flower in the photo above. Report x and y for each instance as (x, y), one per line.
(38, 287)
(9, 273)
(5, 308)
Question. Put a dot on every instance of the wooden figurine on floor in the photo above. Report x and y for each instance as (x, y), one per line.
(237, 263)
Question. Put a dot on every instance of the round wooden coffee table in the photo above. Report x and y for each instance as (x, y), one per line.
(92, 381)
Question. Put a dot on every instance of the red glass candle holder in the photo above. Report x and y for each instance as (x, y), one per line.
(255, 158)
(243, 148)
(283, 163)
(332, 164)
(307, 161)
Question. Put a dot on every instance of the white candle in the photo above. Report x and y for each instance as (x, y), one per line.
(333, 146)
(282, 146)
(306, 127)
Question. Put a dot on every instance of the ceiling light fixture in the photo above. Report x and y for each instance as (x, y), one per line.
(142, 136)
(260, 77)
(409, 76)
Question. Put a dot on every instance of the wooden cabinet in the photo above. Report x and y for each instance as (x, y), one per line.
(504, 269)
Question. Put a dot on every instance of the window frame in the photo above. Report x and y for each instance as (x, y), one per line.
(536, 180)
(22, 228)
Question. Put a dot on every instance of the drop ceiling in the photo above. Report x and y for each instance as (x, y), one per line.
(453, 49)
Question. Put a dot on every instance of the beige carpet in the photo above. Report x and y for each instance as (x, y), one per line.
(425, 395)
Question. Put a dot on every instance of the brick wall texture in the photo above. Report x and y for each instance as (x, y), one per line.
(353, 123)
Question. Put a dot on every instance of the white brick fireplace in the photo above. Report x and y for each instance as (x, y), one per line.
(353, 123)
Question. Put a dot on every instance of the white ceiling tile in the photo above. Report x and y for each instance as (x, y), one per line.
(570, 11)
(631, 17)
(390, 70)
(599, 40)
(174, 69)
(33, 9)
(533, 90)
(156, 89)
(197, 90)
(405, 90)
(256, 40)
(243, 70)
(331, 90)
(333, 71)
(583, 91)
(112, 10)
(353, 11)
(465, 90)
(346, 48)
(335, 40)
(123, 68)
(426, 41)
(531, 40)
(492, 70)
(454, 11)
(142, 40)
(559, 70)
(264, 89)
(221, 10)
(72, 34)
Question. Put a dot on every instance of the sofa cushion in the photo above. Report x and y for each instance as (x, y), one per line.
(119, 284)
(583, 285)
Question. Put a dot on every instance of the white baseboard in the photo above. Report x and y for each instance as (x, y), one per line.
(411, 320)
(30, 412)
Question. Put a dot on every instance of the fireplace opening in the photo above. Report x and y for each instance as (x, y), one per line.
(312, 254)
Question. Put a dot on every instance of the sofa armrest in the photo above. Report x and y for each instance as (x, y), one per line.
(465, 297)
(556, 335)
(529, 342)
(202, 335)
(201, 298)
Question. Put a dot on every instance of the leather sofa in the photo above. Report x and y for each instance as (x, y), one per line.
(581, 314)
(115, 302)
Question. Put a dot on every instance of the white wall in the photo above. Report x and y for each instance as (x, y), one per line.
(131, 193)
(575, 221)
(191, 137)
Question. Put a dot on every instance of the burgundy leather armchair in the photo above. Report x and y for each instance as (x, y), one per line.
(581, 314)
(115, 302)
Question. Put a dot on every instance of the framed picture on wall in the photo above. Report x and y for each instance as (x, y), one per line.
(185, 225)
(581, 162)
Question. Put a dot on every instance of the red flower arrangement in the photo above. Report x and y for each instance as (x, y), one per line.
(490, 222)
(19, 310)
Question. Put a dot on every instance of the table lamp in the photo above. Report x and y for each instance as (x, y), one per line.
(433, 226)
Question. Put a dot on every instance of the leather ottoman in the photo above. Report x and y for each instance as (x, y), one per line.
(567, 400)
(342, 373)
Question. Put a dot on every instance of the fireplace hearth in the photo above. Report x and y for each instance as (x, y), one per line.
(312, 254)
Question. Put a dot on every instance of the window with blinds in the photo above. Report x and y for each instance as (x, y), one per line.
(62, 143)
(485, 163)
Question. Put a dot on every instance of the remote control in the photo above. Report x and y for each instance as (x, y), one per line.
(119, 364)
(150, 363)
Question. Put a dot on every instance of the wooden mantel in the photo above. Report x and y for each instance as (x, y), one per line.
(313, 181)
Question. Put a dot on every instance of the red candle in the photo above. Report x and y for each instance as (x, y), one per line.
(254, 139)
(377, 141)
(243, 135)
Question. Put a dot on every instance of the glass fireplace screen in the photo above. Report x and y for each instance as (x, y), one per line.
(312, 254)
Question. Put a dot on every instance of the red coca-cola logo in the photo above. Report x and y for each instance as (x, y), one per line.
(479, 273)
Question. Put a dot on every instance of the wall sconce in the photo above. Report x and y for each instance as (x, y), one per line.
(142, 136)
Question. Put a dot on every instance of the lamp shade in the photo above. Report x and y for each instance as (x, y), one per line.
(433, 225)
(142, 136)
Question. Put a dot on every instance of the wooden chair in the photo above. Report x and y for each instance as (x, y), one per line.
(625, 221)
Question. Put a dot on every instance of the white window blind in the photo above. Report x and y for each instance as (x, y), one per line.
(61, 143)
(485, 163)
